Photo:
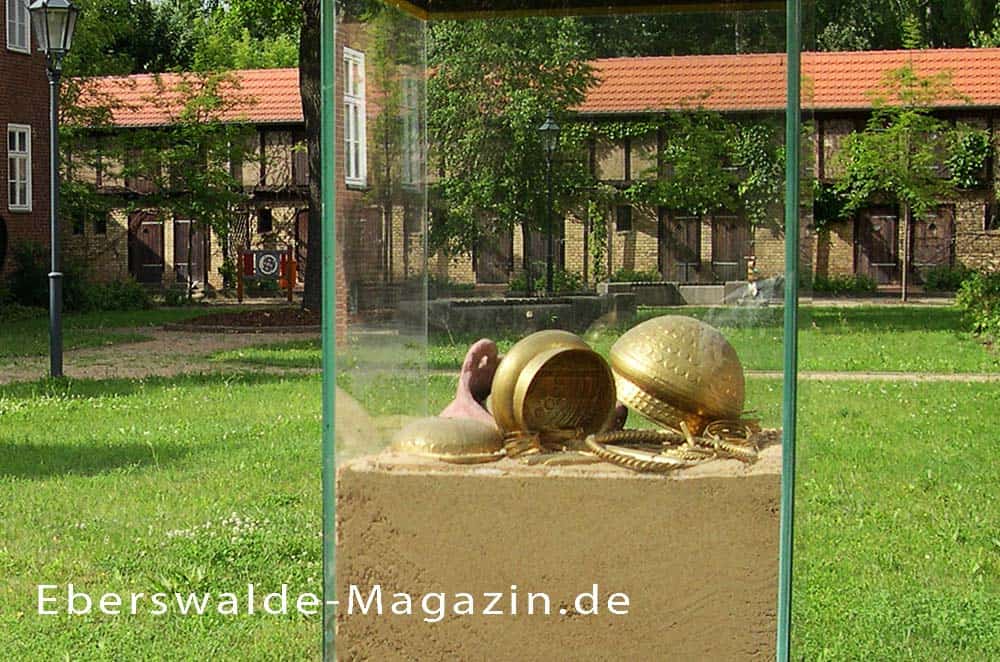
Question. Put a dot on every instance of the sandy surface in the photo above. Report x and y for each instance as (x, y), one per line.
(168, 353)
(696, 552)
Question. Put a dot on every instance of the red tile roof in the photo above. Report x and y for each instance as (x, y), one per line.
(832, 81)
(260, 96)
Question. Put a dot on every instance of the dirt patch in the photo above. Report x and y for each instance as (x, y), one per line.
(272, 318)
(168, 353)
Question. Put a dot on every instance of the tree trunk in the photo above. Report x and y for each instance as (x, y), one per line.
(309, 89)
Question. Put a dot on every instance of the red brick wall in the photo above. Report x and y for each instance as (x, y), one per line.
(24, 99)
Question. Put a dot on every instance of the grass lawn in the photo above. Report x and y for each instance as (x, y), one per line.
(31, 337)
(133, 485)
(887, 338)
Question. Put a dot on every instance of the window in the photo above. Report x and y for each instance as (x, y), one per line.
(623, 218)
(18, 36)
(18, 167)
(411, 132)
(355, 131)
(992, 223)
(79, 219)
(265, 221)
(101, 224)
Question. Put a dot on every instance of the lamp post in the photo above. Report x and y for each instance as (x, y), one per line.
(549, 131)
(54, 22)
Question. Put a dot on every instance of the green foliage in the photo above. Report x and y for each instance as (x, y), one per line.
(828, 205)
(633, 276)
(29, 285)
(899, 153)
(945, 278)
(124, 294)
(563, 282)
(969, 153)
(598, 240)
(485, 136)
(29, 277)
(838, 285)
(979, 300)
(11, 312)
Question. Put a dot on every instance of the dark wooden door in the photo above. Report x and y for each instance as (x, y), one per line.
(933, 240)
(190, 253)
(3, 243)
(680, 246)
(145, 247)
(494, 257)
(301, 241)
(877, 245)
(730, 247)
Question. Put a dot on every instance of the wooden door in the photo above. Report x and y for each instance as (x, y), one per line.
(301, 241)
(679, 246)
(145, 247)
(933, 240)
(494, 256)
(877, 245)
(190, 253)
(730, 247)
(3, 243)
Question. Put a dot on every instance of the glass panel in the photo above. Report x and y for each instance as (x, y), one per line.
(647, 247)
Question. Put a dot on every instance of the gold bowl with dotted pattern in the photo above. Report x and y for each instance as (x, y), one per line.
(675, 369)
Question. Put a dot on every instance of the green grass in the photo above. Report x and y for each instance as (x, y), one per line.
(30, 337)
(131, 485)
(892, 339)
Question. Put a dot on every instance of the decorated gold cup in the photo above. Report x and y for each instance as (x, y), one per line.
(552, 381)
(458, 440)
(675, 369)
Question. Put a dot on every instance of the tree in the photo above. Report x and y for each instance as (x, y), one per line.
(900, 153)
(185, 164)
(484, 110)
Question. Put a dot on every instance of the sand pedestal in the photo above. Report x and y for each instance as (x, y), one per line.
(696, 552)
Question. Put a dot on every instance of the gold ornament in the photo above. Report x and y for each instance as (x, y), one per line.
(678, 370)
(553, 384)
(456, 440)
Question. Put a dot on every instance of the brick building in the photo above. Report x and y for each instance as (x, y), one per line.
(381, 233)
(705, 248)
(24, 121)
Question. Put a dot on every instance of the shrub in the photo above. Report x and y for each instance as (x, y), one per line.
(633, 276)
(979, 300)
(563, 282)
(856, 284)
(29, 279)
(945, 279)
(117, 295)
(15, 312)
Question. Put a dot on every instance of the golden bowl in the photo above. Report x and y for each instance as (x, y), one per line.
(513, 362)
(674, 369)
(460, 440)
(565, 388)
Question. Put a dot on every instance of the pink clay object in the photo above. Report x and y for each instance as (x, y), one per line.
(474, 383)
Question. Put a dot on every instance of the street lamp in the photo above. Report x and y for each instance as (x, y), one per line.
(54, 22)
(549, 131)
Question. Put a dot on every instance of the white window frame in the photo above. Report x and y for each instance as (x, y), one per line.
(19, 156)
(412, 137)
(18, 22)
(355, 119)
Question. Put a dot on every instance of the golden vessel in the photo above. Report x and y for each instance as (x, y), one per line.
(551, 381)
(674, 369)
(458, 440)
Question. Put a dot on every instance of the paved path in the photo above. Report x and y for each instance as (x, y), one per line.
(881, 376)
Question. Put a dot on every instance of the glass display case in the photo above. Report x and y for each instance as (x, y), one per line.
(558, 338)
